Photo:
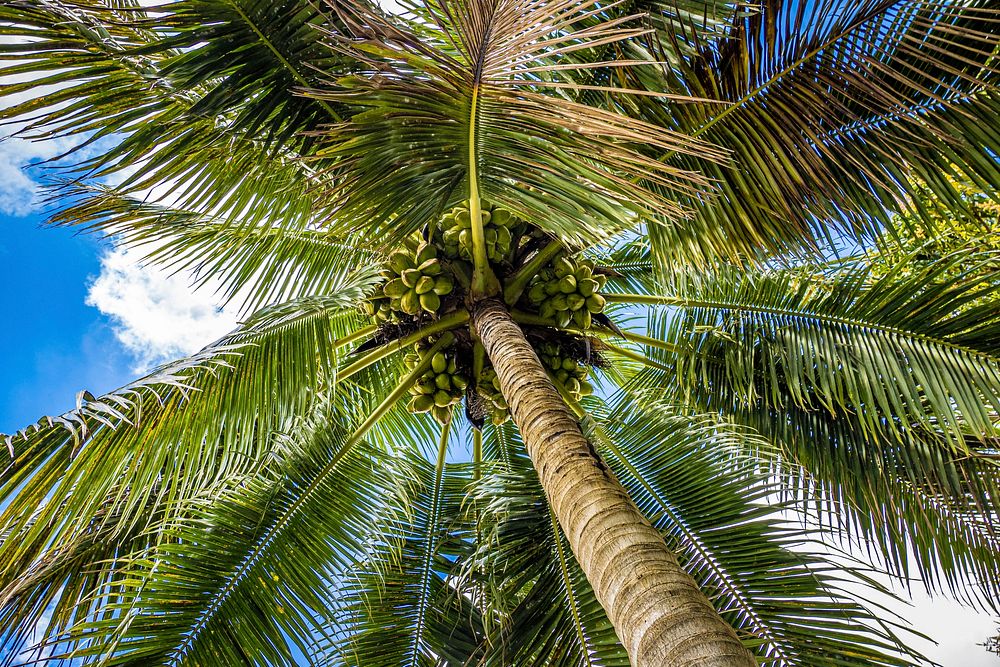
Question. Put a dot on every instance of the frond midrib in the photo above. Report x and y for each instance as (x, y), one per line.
(775, 78)
(568, 583)
(915, 111)
(260, 546)
(805, 314)
(432, 520)
(706, 555)
(281, 58)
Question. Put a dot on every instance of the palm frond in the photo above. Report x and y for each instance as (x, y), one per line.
(247, 576)
(501, 444)
(911, 348)
(192, 98)
(629, 266)
(467, 88)
(542, 608)
(259, 264)
(831, 108)
(940, 528)
(864, 382)
(401, 603)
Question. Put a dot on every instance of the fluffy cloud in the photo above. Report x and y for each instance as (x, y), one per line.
(17, 189)
(19, 172)
(156, 315)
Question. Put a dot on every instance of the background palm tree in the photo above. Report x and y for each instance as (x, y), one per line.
(269, 498)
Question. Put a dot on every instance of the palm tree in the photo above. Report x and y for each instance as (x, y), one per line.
(459, 172)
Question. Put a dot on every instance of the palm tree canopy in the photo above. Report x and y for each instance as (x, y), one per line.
(270, 497)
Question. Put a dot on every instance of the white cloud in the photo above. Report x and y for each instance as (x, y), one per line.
(957, 630)
(17, 189)
(19, 184)
(157, 315)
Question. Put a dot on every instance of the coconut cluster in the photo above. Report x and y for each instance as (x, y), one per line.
(440, 387)
(424, 280)
(567, 291)
(416, 281)
(565, 372)
(500, 229)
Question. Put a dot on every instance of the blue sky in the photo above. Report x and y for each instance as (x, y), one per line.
(53, 344)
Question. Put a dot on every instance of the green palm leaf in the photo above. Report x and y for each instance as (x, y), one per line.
(881, 389)
(831, 106)
(543, 610)
(913, 348)
(247, 576)
(477, 102)
(863, 485)
(195, 94)
(260, 264)
(401, 604)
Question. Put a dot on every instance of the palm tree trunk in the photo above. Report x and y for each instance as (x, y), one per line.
(660, 615)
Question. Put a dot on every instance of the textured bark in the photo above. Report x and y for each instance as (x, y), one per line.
(657, 609)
